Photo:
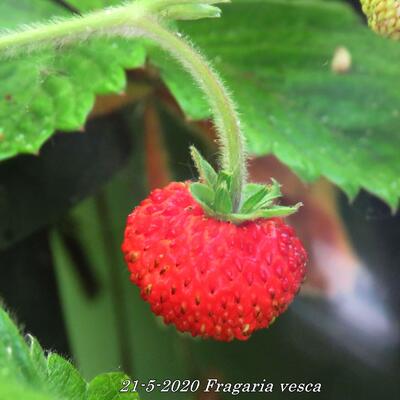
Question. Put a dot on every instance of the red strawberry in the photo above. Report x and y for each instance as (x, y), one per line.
(210, 277)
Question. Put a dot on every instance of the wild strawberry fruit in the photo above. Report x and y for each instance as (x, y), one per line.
(383, 16)
(212, 277)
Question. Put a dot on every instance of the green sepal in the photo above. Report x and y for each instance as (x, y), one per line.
(274, 211)
(206, 171)
(250, 189)
(202, 193)
(222, 202)
(191, 12)
(252, 202)
(259, 196)
(215, 191)
(224, 179)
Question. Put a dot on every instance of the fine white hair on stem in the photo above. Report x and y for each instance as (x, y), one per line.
(218, 118)
(51, 42)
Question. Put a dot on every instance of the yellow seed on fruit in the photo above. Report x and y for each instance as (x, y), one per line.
(245, 329)
(147, 290)
(133, 256)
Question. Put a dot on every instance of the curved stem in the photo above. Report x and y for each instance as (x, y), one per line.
(139, 19)
(226, 120)
(71, 29)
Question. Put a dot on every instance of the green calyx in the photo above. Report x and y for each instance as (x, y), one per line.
(214, 192)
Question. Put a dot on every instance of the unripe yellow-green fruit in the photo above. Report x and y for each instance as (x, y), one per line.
(383, 16)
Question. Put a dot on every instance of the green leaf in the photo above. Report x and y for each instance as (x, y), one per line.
(15, 360)
(64, 379)
(90, 5)
(37, 356)
(25, 372)
(205, 170)
(275, 57)
(55, 89)
(11, 390)
(108, 386)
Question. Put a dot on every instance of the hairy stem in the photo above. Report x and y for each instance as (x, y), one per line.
(142, 19)
(72, 29)
(224, 113)
(109, 21)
